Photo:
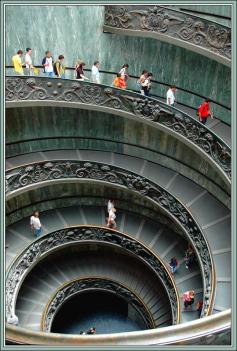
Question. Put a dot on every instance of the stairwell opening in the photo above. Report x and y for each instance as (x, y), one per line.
(105, 311)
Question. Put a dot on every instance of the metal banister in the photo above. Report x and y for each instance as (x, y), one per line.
(198, 331)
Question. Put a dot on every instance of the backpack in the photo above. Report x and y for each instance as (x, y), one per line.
(43, 62)
(55, 68)
(138, 85)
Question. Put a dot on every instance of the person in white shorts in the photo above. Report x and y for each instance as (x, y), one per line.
(28, 62)
(35, 224)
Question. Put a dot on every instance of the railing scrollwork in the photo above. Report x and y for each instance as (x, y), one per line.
(72, 235)
(193, 30)
(184, 126)
(93, 284)
(18, 178)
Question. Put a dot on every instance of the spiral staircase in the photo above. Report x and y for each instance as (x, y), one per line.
(71, 146)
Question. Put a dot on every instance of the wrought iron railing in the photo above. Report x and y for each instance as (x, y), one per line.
(42, 89)
(186, 30)
(48, 171)
(78, 286)
(50, 242)
(212, 330)
(184, 97)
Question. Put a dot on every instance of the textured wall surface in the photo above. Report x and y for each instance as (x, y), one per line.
(209, 12)
(77, 32)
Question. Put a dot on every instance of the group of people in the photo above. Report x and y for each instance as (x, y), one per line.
(91, 331)
(188, 299)
(189, 259)
(57, 69)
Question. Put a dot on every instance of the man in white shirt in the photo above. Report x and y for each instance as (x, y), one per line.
(110, 205)
(111, 220)
(28, 62)
(35, 224)
(95, 74)
(48, 64)
(170, 95)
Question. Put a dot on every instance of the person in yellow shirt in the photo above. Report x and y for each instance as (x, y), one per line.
(16, 60)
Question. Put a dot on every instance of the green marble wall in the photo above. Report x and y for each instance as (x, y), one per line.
(208, 11)
(77, 32)
(51, 128)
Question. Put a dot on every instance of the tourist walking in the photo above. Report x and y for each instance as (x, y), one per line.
(59, 67)
(110, 205)
(170, 95)
(188, 298)
(95, 74)
(47, 63)
(199, 307)
(79, 71)
(173, 264)
(28, 62)
(35, 224)
(119, 82)
(17, 63)
(141, 80)
(146, 85)
(111, 219)
(124, 75)
(204, 111)
(91, 331)
(189, 257)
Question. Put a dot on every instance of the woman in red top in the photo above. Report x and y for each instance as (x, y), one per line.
(204, 111)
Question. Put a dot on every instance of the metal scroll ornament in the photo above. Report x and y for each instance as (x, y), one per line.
(48, 171)
(49, 242)
(90, 284)
(176, 24)
(42, 89)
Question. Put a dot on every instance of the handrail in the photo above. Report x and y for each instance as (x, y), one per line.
(49, 171)
(153, 80)
(120, 101)
(179, 28)
(50, 242)
(197, 331)
(92, 283)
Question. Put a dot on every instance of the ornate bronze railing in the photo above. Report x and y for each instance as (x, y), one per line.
(78, 286)
(24, 90)
(179, 28)
(212, 330)
(47, 171)
(50, 242)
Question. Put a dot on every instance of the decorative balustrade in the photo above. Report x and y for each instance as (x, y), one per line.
(20, 89)
(36, 173)
(42, 247)
(198, 34)
(93, 284)
(212, 330)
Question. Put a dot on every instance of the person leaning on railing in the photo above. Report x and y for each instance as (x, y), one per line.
(79, 70)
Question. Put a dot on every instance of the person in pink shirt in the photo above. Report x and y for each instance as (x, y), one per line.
(188, 298)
